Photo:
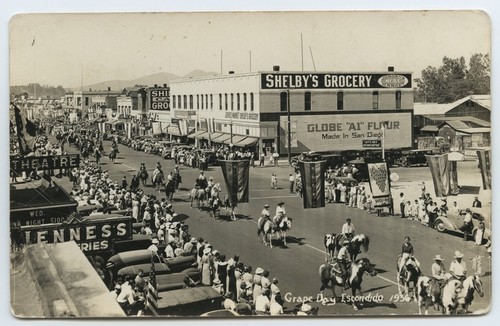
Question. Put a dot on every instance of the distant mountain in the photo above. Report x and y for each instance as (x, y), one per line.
(149, 80)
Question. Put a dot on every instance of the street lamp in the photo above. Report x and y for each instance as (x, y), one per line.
(289, 149)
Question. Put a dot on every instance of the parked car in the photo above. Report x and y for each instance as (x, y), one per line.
(414, 157)
(220, 313)
(175, 281)
(453, 222)
(120, 261)
(138, 241)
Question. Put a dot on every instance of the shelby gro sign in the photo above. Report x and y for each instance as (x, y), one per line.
(334, 81)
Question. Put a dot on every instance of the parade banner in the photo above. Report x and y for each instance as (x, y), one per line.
(128, 129)
(313, 183)
(25, 130)
(438, 164)
(236, 175)
(453, 171)
(484, 157)
(380, 184)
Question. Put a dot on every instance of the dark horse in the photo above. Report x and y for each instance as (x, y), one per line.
(170, 190)
(429, 292)
(359, 242)
(143, 176)
(407, 277)
(330, 274)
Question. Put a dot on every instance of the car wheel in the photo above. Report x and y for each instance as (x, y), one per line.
(440, 226)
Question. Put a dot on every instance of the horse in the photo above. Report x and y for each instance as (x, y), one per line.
(450, 296)
(281, 226)
(157, 179)
(408, 275)
(471, 283)
(215, 204)
(330, 273)
(143, 176)
(169, 190)
(265, 228)
(112, 155)
(198, 196)
(329, 241)
(429, 291)
(358, 242)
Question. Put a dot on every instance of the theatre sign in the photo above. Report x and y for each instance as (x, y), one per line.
(335, 80)
(31, 163)
(91, 235)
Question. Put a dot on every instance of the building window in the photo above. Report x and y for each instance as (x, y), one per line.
(238, 101)
(173, 102)
(232, 102)
(191, 104)
(244, 101)
(197, 101)
(211, 101)
(283, 101)
(340, 101)
(225, 101)
(251, 102)
(247, 132)
(179, 102)
(220, 101)
(375, 100)
(185, 102)
(398, 99)
(307, 101)
(206, 101)
(86, 101)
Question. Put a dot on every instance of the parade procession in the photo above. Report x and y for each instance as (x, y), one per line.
(276, 190)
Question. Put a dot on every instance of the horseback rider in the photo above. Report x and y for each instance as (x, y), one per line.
(266, 216)
(280, 208)
(437, 269)
(348, 229)
(265, 212)
(458, 269)
(343, 258)
(407, 255)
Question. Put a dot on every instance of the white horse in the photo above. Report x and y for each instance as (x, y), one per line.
(470, 285)
(451, 292)
(282, 225)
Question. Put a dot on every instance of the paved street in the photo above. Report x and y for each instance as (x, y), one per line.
(296, 266)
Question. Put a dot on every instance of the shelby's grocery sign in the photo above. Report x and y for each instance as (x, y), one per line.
(347, 131)
(334, 80)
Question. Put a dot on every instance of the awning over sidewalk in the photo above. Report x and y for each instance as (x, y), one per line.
(174, 131)
(215, 135)
(247, 141)
(200, 134)
(236, 138)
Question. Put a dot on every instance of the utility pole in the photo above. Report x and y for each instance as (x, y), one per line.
(289, 134)
(383, 140)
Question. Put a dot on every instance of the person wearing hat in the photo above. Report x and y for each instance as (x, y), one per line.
(218, 286)
(154, 245)
(190, 246)
(467, 226)
(406, 253)
(262, 303)
(291, 179)
(348, 229)
(280, 208)
(343, 258)
(206, 269)
(169, 249)
(437, 268)
(458, 269)
(257, 287)
(116, 291)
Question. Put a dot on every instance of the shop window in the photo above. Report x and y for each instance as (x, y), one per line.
(283, 102)
(86, 101)
(307, 101)
(251, 102)
(398, 99)
(179, 101)
(244, 101)
(340, 101)
(375, 100)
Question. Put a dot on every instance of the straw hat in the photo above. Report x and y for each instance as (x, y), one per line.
(259, 271)
(438, 257)
(458, 254)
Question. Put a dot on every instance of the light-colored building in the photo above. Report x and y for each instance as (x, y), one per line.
(328, 110)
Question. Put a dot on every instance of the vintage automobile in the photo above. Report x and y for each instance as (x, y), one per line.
(175, 281)
(360, 165)
(138, 241)
(220, 313)
(453, 222)
(120, 261)
(414, 157)
(306, 157)
(160, 268)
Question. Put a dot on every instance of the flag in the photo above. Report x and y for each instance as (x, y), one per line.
(438, 164)
(26, 131)
(452, 170)
(380, 184)
(46, 181)
(236, 176)
(152, 289)
(484, 157)
(312, 175)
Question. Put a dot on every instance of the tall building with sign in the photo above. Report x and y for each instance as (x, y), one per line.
(329, 111)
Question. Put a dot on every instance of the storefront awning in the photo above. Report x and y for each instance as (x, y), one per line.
(174, 131)
(215, 135)
(165, 126)
(223, 139)
(248, 141)
(236, 138)
(200, 134)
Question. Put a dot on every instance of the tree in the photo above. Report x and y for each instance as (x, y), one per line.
(453, 80)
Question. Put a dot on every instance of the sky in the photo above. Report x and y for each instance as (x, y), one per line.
(69, 48)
